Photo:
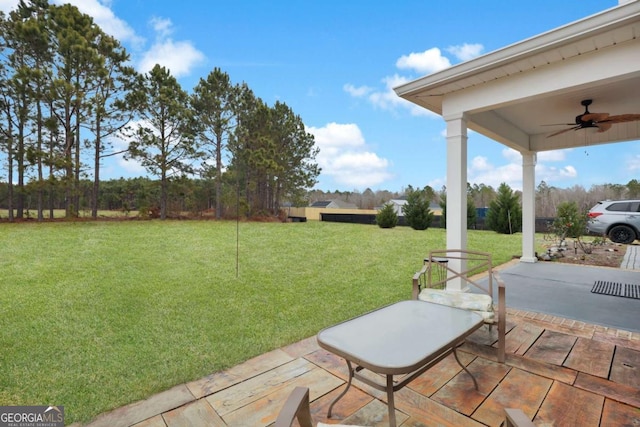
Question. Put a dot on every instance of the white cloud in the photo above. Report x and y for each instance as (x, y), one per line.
(357, 92)
(633, 163)
(178, 56)
(429, 61)
(512, 155)
(481, 171)
(489, 174)
(480, 163)
(550, 174)
(162, 26)
(387, 99)
(466, 51)
(344, 157)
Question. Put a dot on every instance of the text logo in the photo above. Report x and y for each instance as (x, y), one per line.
(31, 416)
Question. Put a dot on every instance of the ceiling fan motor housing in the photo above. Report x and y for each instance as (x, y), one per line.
(585, 123)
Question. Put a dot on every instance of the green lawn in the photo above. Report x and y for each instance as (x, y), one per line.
(94, 315)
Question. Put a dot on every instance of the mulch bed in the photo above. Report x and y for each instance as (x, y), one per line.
(606, 255)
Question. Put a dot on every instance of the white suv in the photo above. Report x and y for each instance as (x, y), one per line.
(618, 219)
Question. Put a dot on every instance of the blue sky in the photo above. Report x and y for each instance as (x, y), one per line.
(335, 62)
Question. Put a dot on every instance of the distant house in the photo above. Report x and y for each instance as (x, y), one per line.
(333, 204)
(399, 203)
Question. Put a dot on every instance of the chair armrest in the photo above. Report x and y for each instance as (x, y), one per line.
(516, 418)
(416, 281)
(502, 304)
(296, 406)
(502, 316)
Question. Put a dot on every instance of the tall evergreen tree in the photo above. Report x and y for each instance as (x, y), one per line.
(215, 104)
(106, 111)
(295, 170)
(505, 213)
(163, 139)
(22, 40)
(75, 64)
(33, 31)
(416, 212)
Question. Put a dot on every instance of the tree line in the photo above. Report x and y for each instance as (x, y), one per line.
(67, 92)
(548, 197)
(197, 197)
(504, 211)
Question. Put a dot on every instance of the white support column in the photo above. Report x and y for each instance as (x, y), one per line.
(456, 192)
(528, 207)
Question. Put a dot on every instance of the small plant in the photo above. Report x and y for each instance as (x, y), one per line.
(570, 222)
(387, 217)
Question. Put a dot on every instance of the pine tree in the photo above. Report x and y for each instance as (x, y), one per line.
(505, 214)
(164, 140)
(215, 104)
(416, 211)
(387, 217)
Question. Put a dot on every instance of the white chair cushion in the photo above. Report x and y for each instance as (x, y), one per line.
(479, 303)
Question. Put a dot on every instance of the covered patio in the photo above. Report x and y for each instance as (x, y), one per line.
(511, 96)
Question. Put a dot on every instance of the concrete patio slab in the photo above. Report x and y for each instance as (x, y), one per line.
(564, 290)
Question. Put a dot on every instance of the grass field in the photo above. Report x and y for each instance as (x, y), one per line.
(94, 315)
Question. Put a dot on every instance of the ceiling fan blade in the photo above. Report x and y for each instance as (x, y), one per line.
(604, 126)
(623, 118)
(563, 131)
(559, 124)
(596, 117)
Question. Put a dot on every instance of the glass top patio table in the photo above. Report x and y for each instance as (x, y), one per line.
(407, 337)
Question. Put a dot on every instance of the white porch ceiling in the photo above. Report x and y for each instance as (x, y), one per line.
(512, 94)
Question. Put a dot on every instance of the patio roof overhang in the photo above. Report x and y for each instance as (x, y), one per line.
(512, 94)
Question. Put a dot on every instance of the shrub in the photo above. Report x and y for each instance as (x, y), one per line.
(387, 217)
(505, 214)
(569, 222)
(416, 211)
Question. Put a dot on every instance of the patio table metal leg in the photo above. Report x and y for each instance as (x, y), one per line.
(351, 375)
(455, 354)
(391, 404)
